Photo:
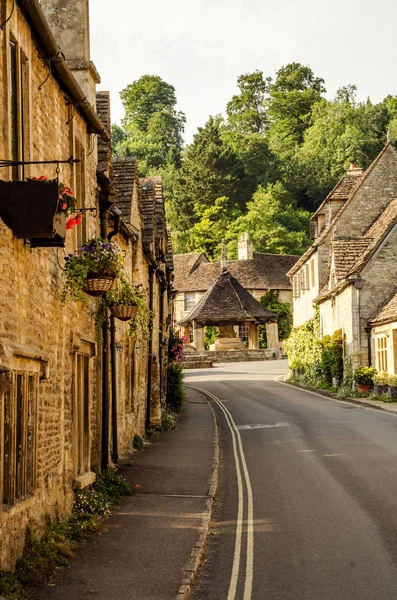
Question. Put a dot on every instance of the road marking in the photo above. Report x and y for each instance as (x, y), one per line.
(296, 451)
(262, 426)
(250, 513)
(334, 454)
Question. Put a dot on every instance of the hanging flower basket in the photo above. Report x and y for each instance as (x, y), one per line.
(124, 312)
(98, 284)
(92, 270)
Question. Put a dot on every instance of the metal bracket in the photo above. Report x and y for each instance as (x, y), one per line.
(17, 163)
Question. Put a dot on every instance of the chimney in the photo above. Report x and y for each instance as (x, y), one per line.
(69, 22)
(245, 247)
(354, 170)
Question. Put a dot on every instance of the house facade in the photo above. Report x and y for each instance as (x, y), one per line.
(349, 271)
(72, 398)
(256, 272)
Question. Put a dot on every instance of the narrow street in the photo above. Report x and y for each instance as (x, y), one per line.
(307, 498)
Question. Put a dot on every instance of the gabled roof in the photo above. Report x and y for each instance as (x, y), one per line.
(387, 313)
(346, 253)
(227, 302)
(338, 215)
(169, 257)
(148, 200)
(343, 189)
(262, 272)
(124, 175)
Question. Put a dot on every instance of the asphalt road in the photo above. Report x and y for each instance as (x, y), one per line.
(307, 504)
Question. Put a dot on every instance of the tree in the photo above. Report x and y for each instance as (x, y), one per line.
(246, 111)
(153, 128)
(274, 223)
(210, 170)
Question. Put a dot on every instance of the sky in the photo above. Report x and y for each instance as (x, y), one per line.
(202, 46)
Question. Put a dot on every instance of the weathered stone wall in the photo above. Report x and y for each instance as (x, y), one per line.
(31, 313)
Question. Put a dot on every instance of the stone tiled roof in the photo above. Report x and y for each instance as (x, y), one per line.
(226, 301)
(328, 229)
(169, 257)
(346, 253)
(387, 313)
(263, 272)
(342, 191)
(124, 175)
(148, 199)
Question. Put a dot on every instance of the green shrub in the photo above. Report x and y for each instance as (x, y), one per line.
(175, 392)
(392, 380)
(381, 378)
(364, 375)
(272, 302)
(210, 335)
(169, 419)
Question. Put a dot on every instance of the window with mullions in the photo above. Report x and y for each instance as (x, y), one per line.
(381, 352)
(82, 412)
(19, 401)
(19, 108)
(190, 301)
(79, 192)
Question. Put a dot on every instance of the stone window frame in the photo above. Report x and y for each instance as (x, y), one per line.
(189, 302)
(83, 351)
(21, 100)
(21, 369)
(79, 188)
(381, 352)
(313, 273)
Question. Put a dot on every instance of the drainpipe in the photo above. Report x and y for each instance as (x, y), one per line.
(115, 445)
(105, 368)
(150, 347)
(161, 336)
(368, 331)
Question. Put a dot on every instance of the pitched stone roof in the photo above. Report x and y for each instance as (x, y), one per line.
(124, 175)
(346, 253)
(343, 189)
(338, 215)
(226, 301)
(148, 200)
(262, 272)
(169, 257)
(387, 313)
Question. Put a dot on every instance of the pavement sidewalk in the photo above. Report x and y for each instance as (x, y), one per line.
(142, 549)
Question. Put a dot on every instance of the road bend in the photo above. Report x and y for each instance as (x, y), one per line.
(307, 502)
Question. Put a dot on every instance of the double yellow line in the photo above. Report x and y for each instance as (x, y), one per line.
(242, 473)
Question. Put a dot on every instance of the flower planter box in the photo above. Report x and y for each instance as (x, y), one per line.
(380, 389)
(392, 391)
(98, 284)
(29, 208)
(363, 388)
(123, 312)
(52, 236)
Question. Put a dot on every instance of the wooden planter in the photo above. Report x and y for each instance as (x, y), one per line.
(123, 312)
(363, 388)
(98, 284)
(52, 236)
(392, 391)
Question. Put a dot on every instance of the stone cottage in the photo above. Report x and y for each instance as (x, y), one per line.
(256, 272)
(71, 400)
(350, 269)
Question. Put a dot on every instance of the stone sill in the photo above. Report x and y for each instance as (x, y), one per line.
(82, 481)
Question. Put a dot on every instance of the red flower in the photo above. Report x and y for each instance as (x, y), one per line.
(64, 205)
(70, 223)
(42, 178)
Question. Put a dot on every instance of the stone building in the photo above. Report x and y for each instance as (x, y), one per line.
(350, 269)
(71, 400)
(256, 272)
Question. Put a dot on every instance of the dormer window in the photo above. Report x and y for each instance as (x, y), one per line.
(190, 301)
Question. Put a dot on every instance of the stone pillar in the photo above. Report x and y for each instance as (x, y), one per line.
(198, 337)
(227, 331)
(272, 335)
(253, 337)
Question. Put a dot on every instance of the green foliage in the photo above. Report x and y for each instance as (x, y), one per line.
(392, 380)
(381, 378)
(137, 442)
(124, 293)
(364, 375)
(246, 111)
(153, 128)
(94, 257)
(43, 555)
(272, 302)
(332, 358)
(211, 333)
(175, 393)
(169, 419)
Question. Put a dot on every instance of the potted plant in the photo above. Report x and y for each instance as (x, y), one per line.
(91, 269)
(363, 376)
(125, 299)
(392, 386)
(380, 383)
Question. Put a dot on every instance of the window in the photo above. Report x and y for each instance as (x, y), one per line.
(381, 353)
(19, 102)
(296, 286)
(191, 335)
(19, 400)
(305, 278)
(243, 333)
(190, 301)
(313, 277)
(82, 412)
